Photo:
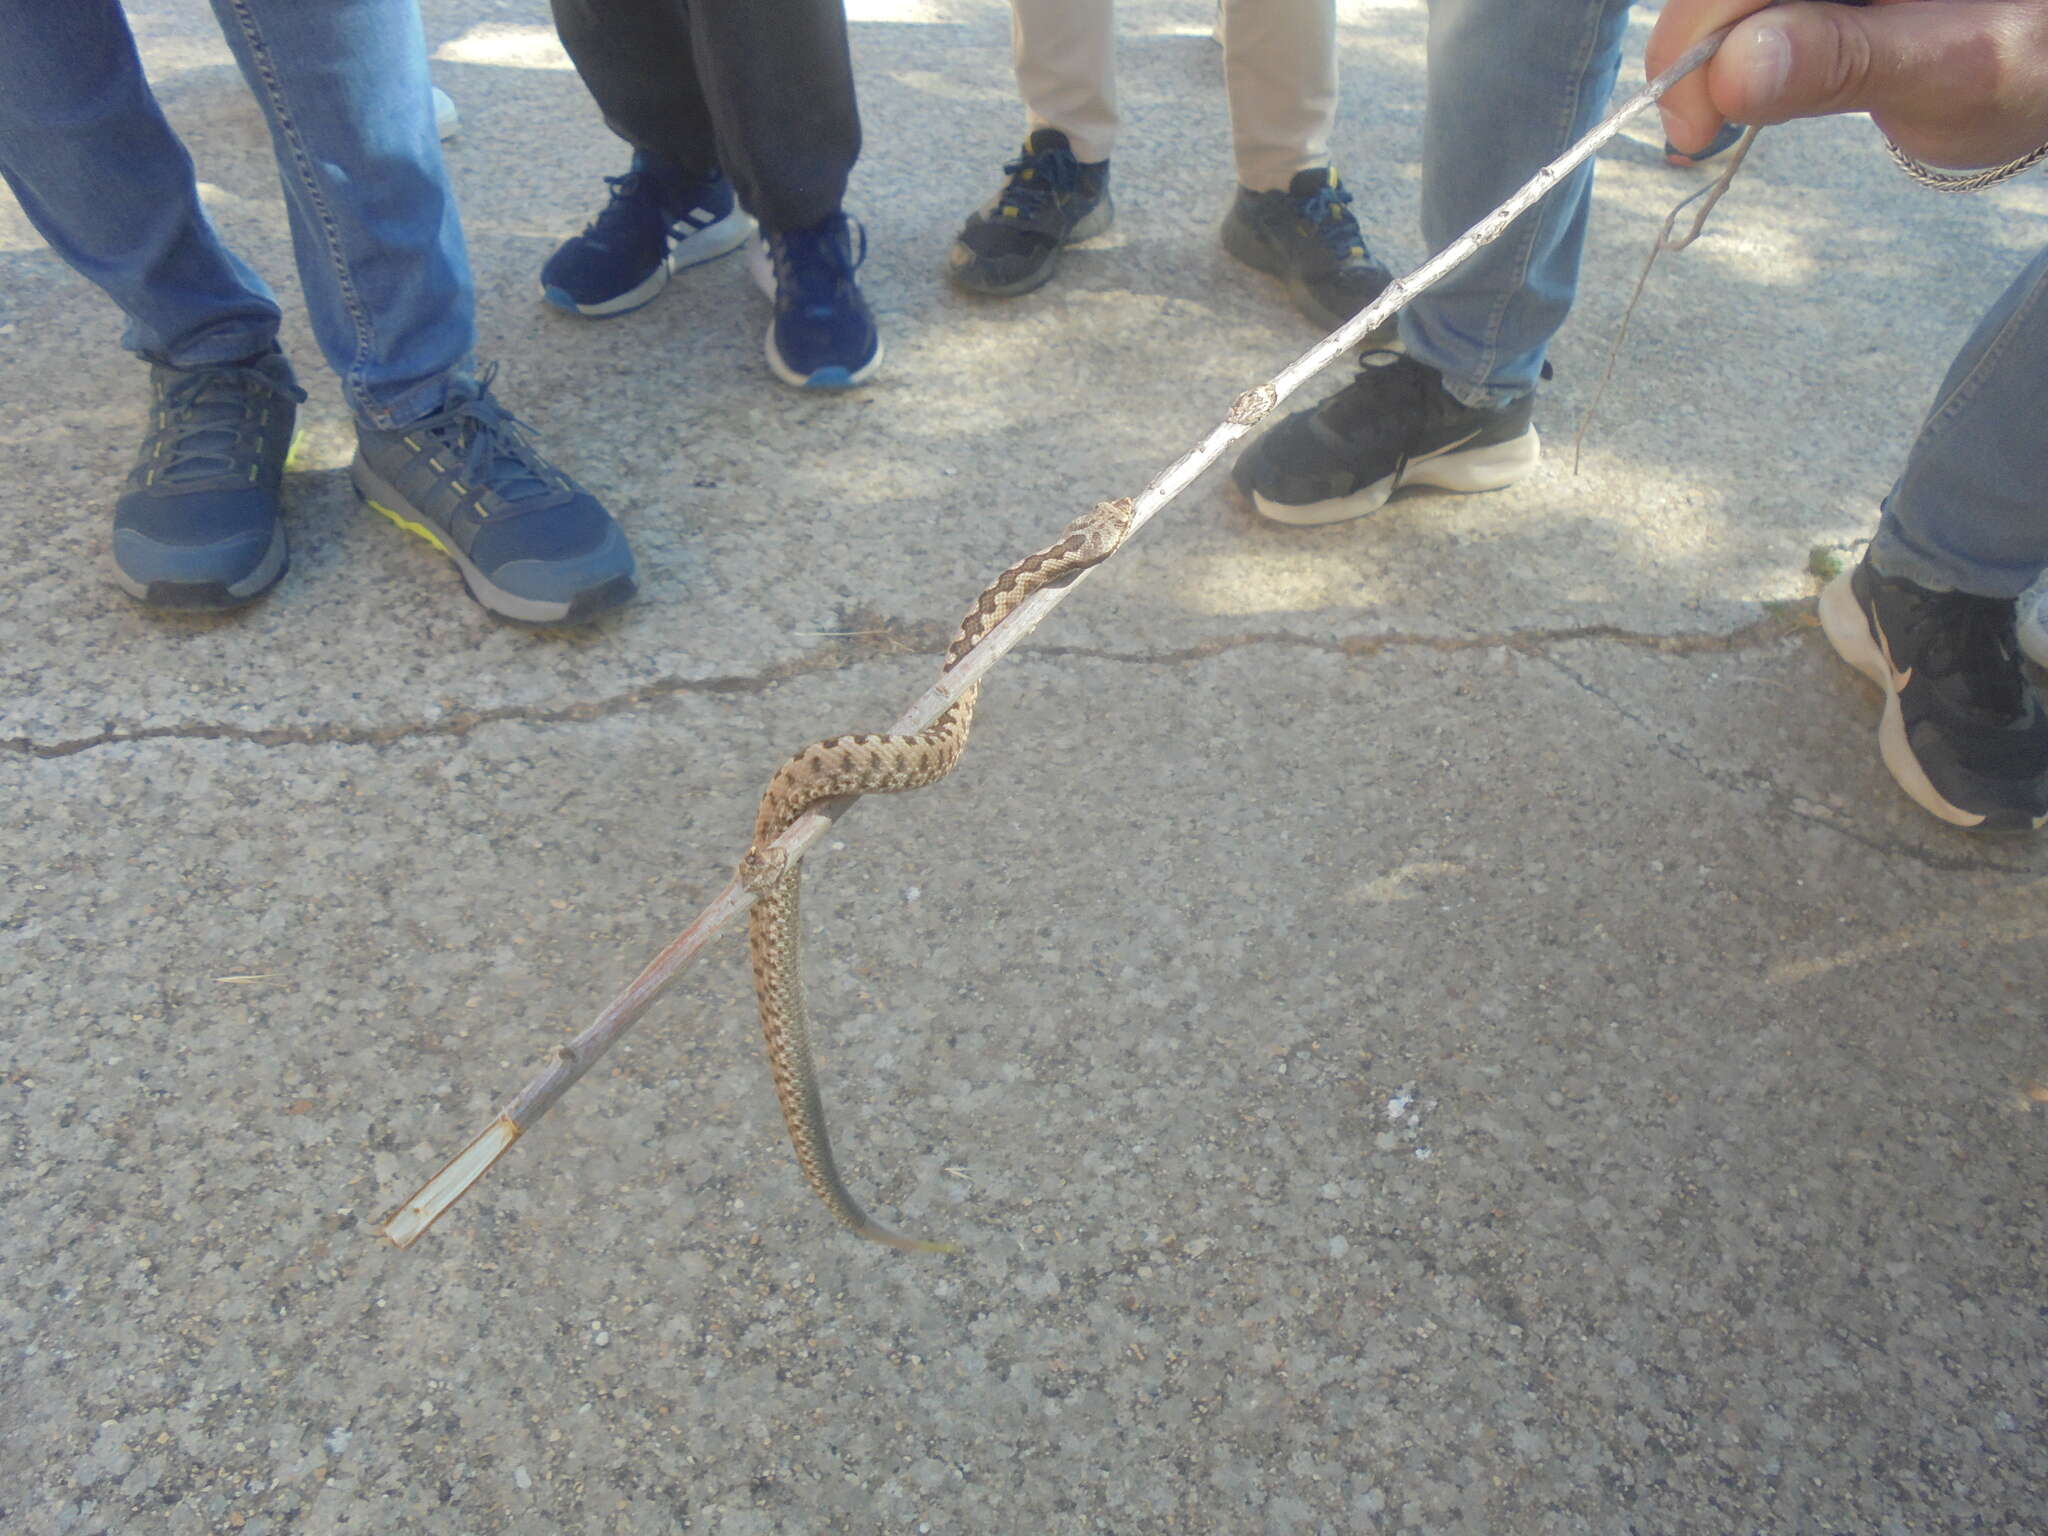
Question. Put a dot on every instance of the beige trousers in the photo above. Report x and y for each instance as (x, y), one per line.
(1279, 69)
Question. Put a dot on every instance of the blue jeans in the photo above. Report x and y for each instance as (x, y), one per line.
(344, 86)
(1970, 512)
(1512, 83)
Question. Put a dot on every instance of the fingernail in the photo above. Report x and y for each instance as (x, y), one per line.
(1766, 63)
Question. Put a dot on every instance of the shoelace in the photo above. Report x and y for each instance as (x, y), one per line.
(1328, 214)
(620, 218)
(1037, 180)
(811, 265)
(206, 411)
(1962, 635)
(496, 450)
(1393, 397)
(1386, 399)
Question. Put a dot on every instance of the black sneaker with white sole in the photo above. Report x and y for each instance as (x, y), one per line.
(1393, 427)
(1963, 732)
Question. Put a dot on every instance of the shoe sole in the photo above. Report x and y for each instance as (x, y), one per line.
(707, 244)
(380, 496)
(833, 376)
(447, 121)
(213, 596)
(1856, 638)
(1492, 468)
(1243, 242)
(1098, 222)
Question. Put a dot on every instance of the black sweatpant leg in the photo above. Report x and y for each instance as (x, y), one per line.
(763, 88)
(637, 63)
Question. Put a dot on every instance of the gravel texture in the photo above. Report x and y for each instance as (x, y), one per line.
(1442, 1024)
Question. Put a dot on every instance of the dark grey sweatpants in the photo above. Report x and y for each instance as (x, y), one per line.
(762, 88)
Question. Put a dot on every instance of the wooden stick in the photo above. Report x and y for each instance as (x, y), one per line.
(566, 1063)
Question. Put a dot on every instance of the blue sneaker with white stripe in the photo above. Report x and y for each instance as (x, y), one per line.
(661, 219)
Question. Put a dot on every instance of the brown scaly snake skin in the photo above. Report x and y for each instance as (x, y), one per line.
(867, 765)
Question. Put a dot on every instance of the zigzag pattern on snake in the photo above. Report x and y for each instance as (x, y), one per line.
(872, 764)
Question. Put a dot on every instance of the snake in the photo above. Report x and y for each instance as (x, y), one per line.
(865, 764)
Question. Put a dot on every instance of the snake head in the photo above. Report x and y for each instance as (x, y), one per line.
(763, 868)
(1102, 528)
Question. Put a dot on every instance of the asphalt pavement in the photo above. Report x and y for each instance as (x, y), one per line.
(1438, 1024)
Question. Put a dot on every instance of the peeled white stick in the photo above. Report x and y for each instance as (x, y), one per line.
(566, 1063)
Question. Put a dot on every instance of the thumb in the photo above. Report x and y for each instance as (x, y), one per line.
(1948, 81)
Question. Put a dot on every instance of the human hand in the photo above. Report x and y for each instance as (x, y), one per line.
(1951, 82)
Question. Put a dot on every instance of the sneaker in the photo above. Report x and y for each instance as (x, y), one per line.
(530, 543)
(447, 121)
(660, 220)
(2030, 622)
(1963, 731)
(1392, 427)
(1051, 199)
(199, 524)
(823, 336)
(1717, 146)
(1308, 239)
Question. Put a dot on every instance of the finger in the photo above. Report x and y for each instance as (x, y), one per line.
(1690, 116)
(1958, 82)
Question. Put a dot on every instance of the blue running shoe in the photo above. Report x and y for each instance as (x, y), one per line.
(660, 219)
(199, 525)
(531, 543)
(824, 334)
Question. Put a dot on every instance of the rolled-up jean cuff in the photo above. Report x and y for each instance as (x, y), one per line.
(1481, 397)
(219, 344)
(1891, 555)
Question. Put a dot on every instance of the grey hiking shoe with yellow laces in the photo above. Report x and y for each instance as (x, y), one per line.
(1307, 237)
(1050, 199)
(199, 525)
(531, 543)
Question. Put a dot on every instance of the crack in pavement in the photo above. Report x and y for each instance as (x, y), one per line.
(1778, 622)
(867, 637)
(1787, 802)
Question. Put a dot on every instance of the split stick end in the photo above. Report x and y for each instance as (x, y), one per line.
(406, 1225)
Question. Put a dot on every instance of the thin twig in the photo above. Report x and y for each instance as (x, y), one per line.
(1662, 243)
(567, 1063)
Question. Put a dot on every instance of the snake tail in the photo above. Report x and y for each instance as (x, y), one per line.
(863, 764)
(786, 1029)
